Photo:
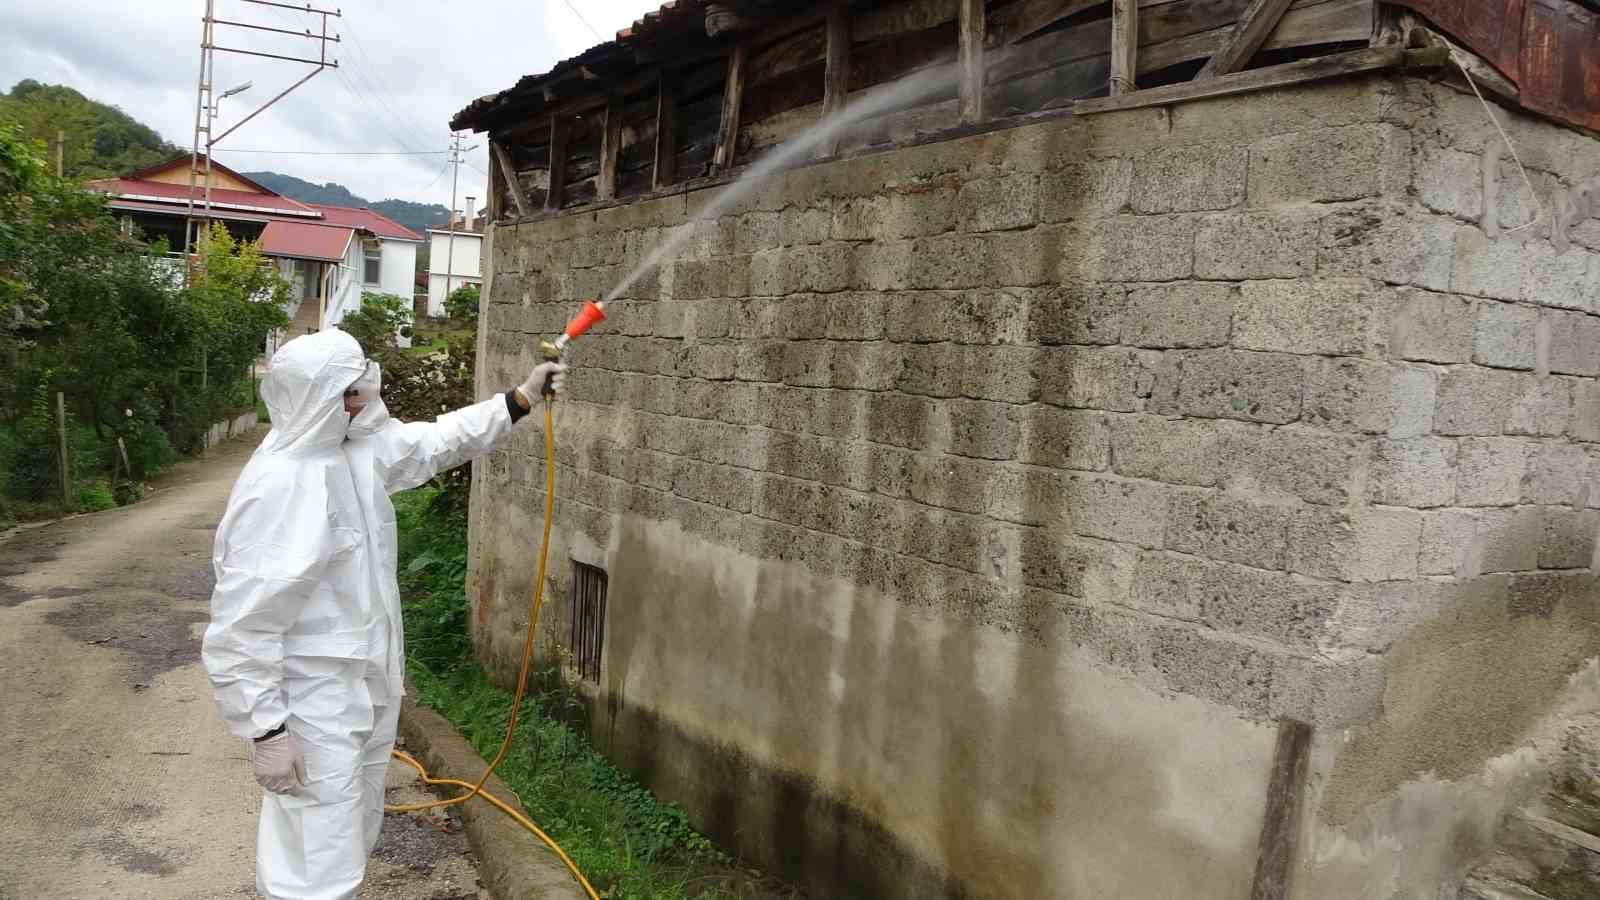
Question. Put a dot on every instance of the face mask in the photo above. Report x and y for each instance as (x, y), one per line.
(373, 414)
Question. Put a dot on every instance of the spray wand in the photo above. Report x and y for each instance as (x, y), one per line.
(593, 311)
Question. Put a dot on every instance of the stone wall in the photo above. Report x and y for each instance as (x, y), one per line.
(973, 509)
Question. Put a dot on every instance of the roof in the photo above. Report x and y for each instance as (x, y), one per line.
(160, 191)
(167, 208)
(184, 160)
(303, 240)
(366, 220)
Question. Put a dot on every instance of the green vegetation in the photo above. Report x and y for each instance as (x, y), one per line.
(629, 845)
(101, 141)
(462, 305)
(93, 315)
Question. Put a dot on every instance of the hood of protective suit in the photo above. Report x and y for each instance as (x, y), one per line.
(373, 415)
(304, 391)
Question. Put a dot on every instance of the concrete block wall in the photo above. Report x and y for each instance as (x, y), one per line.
(1237, 409)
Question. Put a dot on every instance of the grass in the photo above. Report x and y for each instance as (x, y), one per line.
(629, 844)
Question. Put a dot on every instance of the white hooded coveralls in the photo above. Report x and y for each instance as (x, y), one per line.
(305, 618)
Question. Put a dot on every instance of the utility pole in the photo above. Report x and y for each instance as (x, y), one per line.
(456, 150)
(61, 143)
(205, 105)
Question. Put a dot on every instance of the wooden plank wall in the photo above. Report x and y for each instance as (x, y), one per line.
(708, 111)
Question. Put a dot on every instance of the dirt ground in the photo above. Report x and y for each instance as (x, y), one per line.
(119, 780)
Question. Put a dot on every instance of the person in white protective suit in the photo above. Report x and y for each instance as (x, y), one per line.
(305, 648)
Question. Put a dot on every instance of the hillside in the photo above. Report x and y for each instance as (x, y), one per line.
(100, 140)
(415, 216)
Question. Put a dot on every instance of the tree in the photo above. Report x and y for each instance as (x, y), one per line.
(381, 319)
(462, 304)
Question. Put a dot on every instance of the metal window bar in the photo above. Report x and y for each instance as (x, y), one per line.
(588, 618)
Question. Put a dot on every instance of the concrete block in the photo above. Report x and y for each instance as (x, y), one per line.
(1227, 528)
(1326, 165)
(1450, 182)
(857, 218)
(1065, 438)
(1557, 474)
(949, 262)
(1289, 609)
(797, 317)
(808, 363)
(1475, 401)
(822, 269)
(1188, 178)
(1370, 543)
(1574, 342)
(1193, 662)
(874, 366)
(974, 486)
(919, 210)
(806, 224)
(1584, 424)
(766, 274)
(932, 370)
(1570, 280)
(1491, 471)
(760, 361)
(1432, 327)
(1141, 248)
(979, 428)
(999, 204)
(1095, 378)
(1569, 538)
(1238, 384)
(1006, 374)
(1309, 464)
(856, 316)
(1117, 509)
(898, 420)
(1508, 540)
(1447, 537)
(983, 316)
(1076, 314)
(1487, 268)
(1543, 408)
(1077, 567)
(1327, 316)
(757, 231)
(1032, 257)
(1388, 243)
(880, 266)
(1275, 244)
(1504, 336)
(1418, 472)
(1176, 451)
(1179, 314)
(1091, 189)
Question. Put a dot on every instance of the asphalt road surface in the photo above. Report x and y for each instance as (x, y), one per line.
(118, 780)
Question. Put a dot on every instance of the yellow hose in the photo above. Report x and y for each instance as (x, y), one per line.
(476, 790)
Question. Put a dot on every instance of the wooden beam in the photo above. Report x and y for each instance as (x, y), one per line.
(972, 27)
(1259, 18)
(497, 206)
(665, 170)
(1386, 29)
(836, 76)
(1124, 46)
(559, 127)
(1280, 827)
(1015, 21)
(508, 174)
(732, 99)
(1350, 63)
(610, 145)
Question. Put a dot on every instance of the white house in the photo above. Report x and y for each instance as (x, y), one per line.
(333, 256)
(454, 265)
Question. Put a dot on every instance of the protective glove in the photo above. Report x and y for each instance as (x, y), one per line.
(531, 388)
(278, 764)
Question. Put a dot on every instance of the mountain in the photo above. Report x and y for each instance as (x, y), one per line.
(100, 141)
(416, 216)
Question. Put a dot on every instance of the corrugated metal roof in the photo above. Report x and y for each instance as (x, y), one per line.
(160, 191)
(169, 209)
(303, 240)
(366, 220)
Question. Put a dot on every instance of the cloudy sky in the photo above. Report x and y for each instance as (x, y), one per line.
(405, 67)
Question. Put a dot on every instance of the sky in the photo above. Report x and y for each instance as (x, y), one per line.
(405, 67)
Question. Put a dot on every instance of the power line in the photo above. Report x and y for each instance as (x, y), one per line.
(592, 29)
(346, 152)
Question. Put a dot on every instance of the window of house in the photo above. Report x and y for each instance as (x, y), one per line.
(373, 258)
(588, 618)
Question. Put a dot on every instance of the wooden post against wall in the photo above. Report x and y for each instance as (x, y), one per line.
(665, 170)
(836, 77)
(1280, 826)
(972, 31)
(496, 185)
(732, 99)
(559, 128)
(1124, 45)
(610, 147)
(61, 452)
(508, 175)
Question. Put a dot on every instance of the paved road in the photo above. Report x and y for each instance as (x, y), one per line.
(116, 778)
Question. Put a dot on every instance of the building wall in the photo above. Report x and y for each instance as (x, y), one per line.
(397, 271)
(465, 265)
(437, 293)
(973, 510)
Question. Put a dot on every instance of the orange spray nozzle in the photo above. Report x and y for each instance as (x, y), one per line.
(592, 312)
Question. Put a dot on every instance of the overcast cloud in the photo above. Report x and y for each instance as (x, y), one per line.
(405, 68)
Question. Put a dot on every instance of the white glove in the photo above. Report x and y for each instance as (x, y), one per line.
(278, 764)
(531, 388)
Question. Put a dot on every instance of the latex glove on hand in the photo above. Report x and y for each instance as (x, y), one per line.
(531, 389)
(278, 764)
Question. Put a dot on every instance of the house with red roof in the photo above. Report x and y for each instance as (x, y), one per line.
(333, 256)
